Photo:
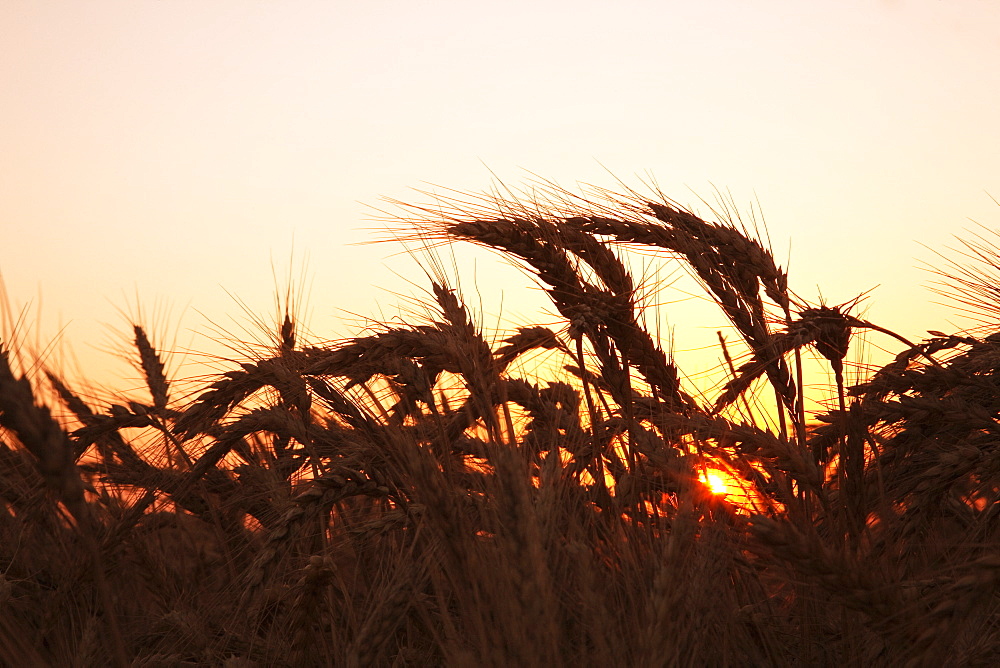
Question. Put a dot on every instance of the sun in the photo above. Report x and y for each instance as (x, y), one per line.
(714, 481)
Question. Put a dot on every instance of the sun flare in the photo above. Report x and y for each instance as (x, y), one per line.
(715, 482)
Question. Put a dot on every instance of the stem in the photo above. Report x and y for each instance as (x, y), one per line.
(601, 483)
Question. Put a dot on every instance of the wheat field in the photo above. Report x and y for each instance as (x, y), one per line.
(432, 493)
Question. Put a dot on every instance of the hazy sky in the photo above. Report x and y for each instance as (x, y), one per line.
(179, 150)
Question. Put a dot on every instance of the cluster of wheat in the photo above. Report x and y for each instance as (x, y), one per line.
(414, 497)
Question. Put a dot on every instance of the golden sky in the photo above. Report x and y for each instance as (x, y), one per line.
(178, 153)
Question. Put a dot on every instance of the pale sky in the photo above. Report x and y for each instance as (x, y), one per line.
(179, 150)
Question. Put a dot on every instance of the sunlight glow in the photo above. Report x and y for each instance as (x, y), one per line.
(715, 482)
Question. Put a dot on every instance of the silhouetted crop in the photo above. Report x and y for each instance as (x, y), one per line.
(414, 496)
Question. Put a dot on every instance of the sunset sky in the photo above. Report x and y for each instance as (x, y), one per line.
(179, 154)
